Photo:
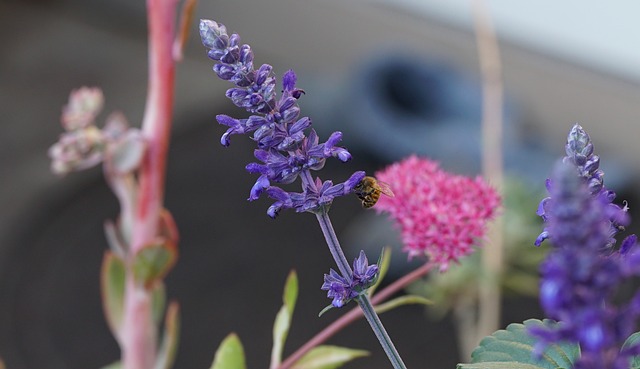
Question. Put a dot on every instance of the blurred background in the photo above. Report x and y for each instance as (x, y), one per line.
(396, 76)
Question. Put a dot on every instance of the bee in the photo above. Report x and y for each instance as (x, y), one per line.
(369, 190)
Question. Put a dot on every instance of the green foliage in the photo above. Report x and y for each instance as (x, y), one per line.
(513, 348)
(116, 365)
(328, 357)
(158, 301)
(400, 301)
(383, 266)
(153, 262)
(230, 354)
(283, 318)
(633, 340)
(169, 346)
(112, 279)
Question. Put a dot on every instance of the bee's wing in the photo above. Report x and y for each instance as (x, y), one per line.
(385, 189)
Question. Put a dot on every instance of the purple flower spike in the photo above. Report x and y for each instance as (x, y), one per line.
(285, 150)
(580, 276)
(342, 289)
(579, 150)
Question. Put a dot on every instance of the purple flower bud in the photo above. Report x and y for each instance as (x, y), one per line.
(224, 71)
(364, 275)
(210, 31)
(263, 73)
(246, 55)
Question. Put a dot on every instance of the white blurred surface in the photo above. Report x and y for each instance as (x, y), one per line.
(596, 34)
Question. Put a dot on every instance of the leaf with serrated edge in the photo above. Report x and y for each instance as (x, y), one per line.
(499, 365)
(400, 301)
(513, 348)
(230, 354)
(633, 340)
(283, 319)
(112, 279)
(169, 347)
(328, 357)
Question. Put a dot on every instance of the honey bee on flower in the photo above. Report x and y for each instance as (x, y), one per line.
(369, 190)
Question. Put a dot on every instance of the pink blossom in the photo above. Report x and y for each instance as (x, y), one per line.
(440, 215)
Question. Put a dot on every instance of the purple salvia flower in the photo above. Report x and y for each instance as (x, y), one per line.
(579, 280)
(363, 273)
(284, 150)
(313, 198)
(579, 152)
(343, 290)
(338, 289)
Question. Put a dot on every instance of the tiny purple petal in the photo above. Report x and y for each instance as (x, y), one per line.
(353, 181)
(342, 154)
(628, 244)
(301, 124)
(333, 139)
(278, 193)
(289, 80)
(261, 184)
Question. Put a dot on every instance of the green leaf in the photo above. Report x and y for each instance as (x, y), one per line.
(230, 354)
(153, 262)
(112, 280)
(383, 266)
(513, 348)
(402, 300)
(283, 318)
(633, 340)
(158, 301)
(169, 347)
(500, 365)
(326, 308)
(115, 365)
(328, 357)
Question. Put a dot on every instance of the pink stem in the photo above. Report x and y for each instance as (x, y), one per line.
(354, 314)
(139, 336)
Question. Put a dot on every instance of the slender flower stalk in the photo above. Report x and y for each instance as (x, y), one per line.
(362, 299)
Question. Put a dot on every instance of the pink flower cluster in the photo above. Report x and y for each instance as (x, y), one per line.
(440, 215)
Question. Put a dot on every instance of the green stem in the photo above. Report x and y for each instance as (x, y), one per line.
(380, 332)
(363, 300)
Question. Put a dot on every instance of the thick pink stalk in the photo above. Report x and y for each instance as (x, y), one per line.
(139, 336)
